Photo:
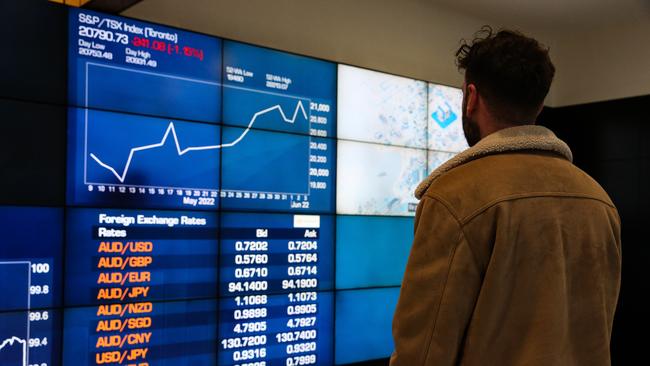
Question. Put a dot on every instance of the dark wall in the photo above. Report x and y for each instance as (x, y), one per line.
(33, 91)
(610, 141)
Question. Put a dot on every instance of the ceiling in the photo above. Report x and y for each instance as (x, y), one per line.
(528, 14)
(553, 14)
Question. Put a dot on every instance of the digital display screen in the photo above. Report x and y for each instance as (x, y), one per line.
(381, 108)
(363, 324)
(445, 119)
(142, 333)
(266, 90)
(273, 171)
(288, 255)
(30, 337)
(379, 180)
(125, 65)
(391, 239)
(144, 162)
(201, 201)
(30, 281)
(127, 255)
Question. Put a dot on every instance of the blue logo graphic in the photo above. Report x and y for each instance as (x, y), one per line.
(444, 116)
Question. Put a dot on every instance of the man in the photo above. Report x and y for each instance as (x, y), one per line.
(517, 252)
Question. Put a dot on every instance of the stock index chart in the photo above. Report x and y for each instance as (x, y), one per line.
(200, 191)
(30, 281)
(280, 156)
(145, 108)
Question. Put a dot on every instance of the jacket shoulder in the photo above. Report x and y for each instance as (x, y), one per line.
(508, 176)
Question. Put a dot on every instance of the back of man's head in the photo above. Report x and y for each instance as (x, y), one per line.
(511, 72)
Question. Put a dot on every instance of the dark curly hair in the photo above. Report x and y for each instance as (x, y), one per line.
(512, 72)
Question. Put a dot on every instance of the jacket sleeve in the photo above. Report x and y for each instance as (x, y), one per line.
(439, 291)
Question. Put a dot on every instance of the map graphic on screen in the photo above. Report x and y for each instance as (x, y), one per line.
(445, 119)
(437, 158)
(378, 179)
(381, 108)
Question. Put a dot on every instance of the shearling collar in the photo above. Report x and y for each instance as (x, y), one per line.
(529, 137)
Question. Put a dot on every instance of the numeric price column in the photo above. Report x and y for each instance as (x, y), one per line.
(276, 272)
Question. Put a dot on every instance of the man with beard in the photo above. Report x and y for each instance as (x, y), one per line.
(517, 253)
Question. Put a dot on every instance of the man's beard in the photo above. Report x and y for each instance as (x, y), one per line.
(470, 127)
(472, 133)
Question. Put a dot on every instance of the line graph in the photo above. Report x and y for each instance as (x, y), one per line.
(16, 323)
(182, 151)
(144, 138)
(11, 341)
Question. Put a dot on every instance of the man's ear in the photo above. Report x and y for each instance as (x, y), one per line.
(472, 99)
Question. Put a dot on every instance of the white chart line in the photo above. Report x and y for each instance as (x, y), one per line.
(172, 130)
(14, 339)
(11, 341)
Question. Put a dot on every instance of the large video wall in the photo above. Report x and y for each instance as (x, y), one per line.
(181, 199)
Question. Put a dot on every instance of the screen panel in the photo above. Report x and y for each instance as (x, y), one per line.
(32, 153)
(128, 160)
(287, 255)
(30, 284)
(126, 65)
(289, 329)
(31, 263)
(371, 251)
(378, 179)
(278, 91)
(276, 253)
(34, 58)
(436, 158)
(445, 119)
(363, 324)
(264, 170)
(30, 337)
(381, 108)
(180, 333)
(118, 256)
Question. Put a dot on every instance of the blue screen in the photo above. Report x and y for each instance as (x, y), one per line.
(169, 333)
(30, 281)
(278, 91)
(117, 256)
(266, 90)
(294, 251)
(371, 251)
(30, 337)
(288, 255)
(30, 257)
(135, 161)
(273, 171)
(363, 324)
(131, 66)
(291, 329)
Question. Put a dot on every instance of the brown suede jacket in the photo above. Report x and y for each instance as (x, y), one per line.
(516, 260)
